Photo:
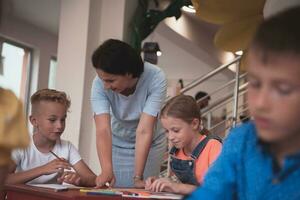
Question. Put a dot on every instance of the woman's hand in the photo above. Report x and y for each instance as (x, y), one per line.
(56, 165)
(138, 183)
(70, 177)
(163, 184)
(104, 178)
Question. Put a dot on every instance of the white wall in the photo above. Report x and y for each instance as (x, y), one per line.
(83, 26)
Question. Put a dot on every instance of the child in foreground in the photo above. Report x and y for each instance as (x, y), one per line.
(13, 130)
(261, 158)
(37, 163)
(192, 152)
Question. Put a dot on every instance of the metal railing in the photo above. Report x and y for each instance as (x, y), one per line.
(201, 79)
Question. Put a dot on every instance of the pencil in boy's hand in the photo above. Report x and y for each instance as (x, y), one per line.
(55, 155)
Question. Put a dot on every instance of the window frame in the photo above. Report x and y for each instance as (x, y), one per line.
(25, 87)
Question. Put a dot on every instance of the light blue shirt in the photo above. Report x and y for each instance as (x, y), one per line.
(246, 169)
(126, 111)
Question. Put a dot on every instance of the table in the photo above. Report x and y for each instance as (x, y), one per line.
(25, 192)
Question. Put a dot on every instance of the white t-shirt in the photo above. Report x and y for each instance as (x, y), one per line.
(31, 157)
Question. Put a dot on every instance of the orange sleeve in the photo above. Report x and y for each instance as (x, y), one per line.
(215, 148)
(206, 158)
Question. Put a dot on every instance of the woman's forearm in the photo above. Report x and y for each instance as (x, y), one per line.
(142, 148)
(104, 150)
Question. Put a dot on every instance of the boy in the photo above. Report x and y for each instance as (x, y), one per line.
(38, 163)
(261, 159)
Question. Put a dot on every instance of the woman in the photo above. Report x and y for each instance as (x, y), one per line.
(126, 98)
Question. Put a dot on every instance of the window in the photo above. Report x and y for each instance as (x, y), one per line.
(15, 68)
(52, 73)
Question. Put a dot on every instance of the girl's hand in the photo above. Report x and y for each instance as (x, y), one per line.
(149, 182)
(163, 184)
(104, 178)
(56, 165)
(70, 177)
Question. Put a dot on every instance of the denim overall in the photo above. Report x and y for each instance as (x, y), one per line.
(185, 169)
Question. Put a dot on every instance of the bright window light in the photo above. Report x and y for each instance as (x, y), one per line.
(52, 73)
(11, 78)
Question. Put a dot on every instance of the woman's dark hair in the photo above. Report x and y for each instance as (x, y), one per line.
(117, 57)
(183, 107)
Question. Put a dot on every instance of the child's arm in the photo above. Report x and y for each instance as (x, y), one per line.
(149, 182)
(167, 185)
(25, 176)
(83, 176)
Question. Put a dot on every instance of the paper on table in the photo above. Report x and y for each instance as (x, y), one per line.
(70, 186)
(56, 187)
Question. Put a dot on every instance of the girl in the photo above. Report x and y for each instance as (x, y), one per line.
(192, 152)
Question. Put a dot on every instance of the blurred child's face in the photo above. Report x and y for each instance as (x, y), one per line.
(274, 96)
(116, 83)
(49, 119)
(179, 132)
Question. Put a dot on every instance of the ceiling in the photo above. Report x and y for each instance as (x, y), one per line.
(45, 14)
(41, 13)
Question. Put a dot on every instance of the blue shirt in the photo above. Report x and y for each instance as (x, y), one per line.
(126, 111)
(245, 169)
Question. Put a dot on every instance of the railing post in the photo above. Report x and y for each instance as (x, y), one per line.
(208, 120)
(236, 94)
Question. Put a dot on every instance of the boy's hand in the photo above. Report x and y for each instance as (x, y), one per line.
(69, 177)
(149, 182)
(57, 165)
(104, 178)
(163, 184)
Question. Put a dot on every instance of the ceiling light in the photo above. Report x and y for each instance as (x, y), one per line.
(189, 9)
(151, 47)
(151, 51)
(239, 53)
